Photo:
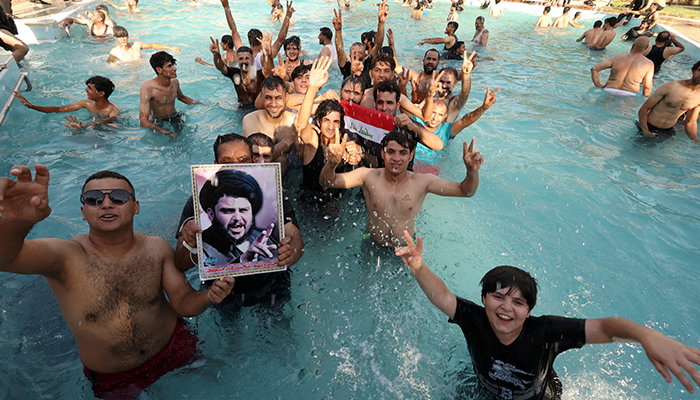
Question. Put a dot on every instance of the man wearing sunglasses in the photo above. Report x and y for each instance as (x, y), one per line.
(109, 283)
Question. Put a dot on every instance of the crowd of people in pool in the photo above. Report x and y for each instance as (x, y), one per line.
(111, 283)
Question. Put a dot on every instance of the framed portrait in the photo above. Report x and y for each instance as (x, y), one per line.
(239, 208)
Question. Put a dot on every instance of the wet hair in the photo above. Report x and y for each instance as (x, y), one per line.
(102, 84)
(160, 58)
(120, 31)
(598, 24)
(389, 86)
(300, 71)
(510, 277)
(291, 40)
(245, 49)
(384, 58)
(435, 50)
(455, 25)
(233, 183)
(386, 50)
(577, 14)
(498, 1)
(567, 8)
(451, 71)
(458, 44)
(548, 9)
(357, 44)
(326, 31)
(102, 7)
(254, 36)
(106, 175)
(228, 39)
(262, 140)
(404, 137)
(612, 21)
(326, 107)
(695, 66)
(354, 80)
(663, 37)
(230, 137)
(101, 14)
(273, 82)
(368, 36)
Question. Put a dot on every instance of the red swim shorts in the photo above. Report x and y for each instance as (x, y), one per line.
(180, 350)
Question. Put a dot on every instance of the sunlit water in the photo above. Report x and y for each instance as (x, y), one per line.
(605, 221)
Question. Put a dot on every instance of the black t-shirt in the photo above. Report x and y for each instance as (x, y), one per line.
(346, 70)
(524, 369)
(633, 33)
(247, 283)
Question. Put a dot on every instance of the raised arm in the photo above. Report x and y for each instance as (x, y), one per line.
(665, 353)
(471, 117)
(461, 98)
(283, 31)
(51, 109)
(338, 26)
(678, 47)
(237, 42)
(428, 138)
(218, 62)
(24, 203)
(318, 76)
(381, 20)
(467, 188)
(431, 284)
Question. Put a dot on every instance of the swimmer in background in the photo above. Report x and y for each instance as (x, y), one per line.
(564, 20)
(98, 91)
(627, 71)
(545, 21)
(292, 51)
(591, 36)
(128, 52)
(96, 24)
(668, 103)
(513, 353)
(417, 12)
(421, 80)
(481, 36)
(130, 6)
(448, 41)
(496, 9)
(606, 37)
(456, 52)
(101, 7)
(158, 96)
(229, 57)
(577, 18)
(346, 4)
(637, 31)
(452, 16)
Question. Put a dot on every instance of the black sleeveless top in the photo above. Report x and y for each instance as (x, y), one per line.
(656, 55)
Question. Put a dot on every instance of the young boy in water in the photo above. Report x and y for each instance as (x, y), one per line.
(513, 354)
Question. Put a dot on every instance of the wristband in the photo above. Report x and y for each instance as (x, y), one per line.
(192, 250)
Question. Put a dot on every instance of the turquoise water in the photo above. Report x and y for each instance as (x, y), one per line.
(605, 221)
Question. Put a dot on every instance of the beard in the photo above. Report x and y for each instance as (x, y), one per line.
(428, 69)
(223, 231)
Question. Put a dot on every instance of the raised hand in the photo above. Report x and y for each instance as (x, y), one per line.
(383, 12)
(281, 69)
(25, 200)
(337, 19)
(390, 37)
(403, 78)
(73, 122)
(214, 47)
(353, 153)
(224, 3)
(435, 85)
(356, 64)
(468, 63)
(412, 254)
(220, 289)
(290, 10)
(490, 98)
(318, 76)
(259, 247)
(267, 43)
(472, 159)
(336, 149)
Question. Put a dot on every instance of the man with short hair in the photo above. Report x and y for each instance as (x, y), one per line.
(95, 23)
(564, 20)
(606, 36)
(456, 52)
(247, 84)
(591, 36)
(421, 81)
(481, 36)
(513, 352)
(98, 89)
(127, 52)
(250, 289)
(449, 40)
(664, 107)
(300, 79)
(325, 37)
(158, 96)
(627, 71)
(666, 46)
(261, 147)
(292, 51)
(352, 89)
(111, 284)
(637, 31)
(545, 21)
(393, 194)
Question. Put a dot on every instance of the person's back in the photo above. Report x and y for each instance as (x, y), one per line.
(563, 20)
(628, 71)
(606, 36)
(591, 36)
(545, 20)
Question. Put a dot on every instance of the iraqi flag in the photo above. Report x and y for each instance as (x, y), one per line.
(367, 123)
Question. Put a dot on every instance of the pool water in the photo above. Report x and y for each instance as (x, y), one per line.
(604, 220)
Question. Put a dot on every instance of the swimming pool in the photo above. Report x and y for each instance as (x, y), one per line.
(605, 221)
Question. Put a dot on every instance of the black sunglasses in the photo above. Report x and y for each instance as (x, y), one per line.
(94, 198)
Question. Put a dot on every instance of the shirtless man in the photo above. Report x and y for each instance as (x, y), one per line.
(128, 52)
(292, 51)
(96, 24)
(346, 4)
(627, 71)
(421, 81)
(393, 194)
(496, 9)
(606, 37)
(447, 82)
(661, 111)
(361, 54)
(564, 20)
(481, 36)
(246, 80)
(130, 6)
(101, 7)
(98, 89)
(108, 283)
(158, 96)
(449, 40)
(591, 36)
(545, 21)
(273, 117)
